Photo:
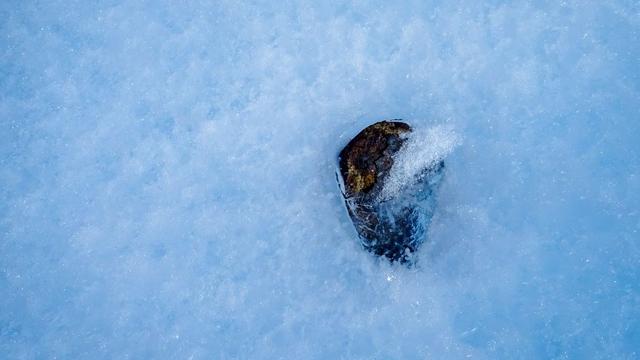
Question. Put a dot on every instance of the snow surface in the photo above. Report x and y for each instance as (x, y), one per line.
(423, 149)
(167, 185)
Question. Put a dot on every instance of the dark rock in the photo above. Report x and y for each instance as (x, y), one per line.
(394, 226)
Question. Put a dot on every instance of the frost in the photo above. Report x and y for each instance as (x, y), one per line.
(423, 149)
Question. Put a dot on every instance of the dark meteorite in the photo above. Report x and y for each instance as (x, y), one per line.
(395, 226)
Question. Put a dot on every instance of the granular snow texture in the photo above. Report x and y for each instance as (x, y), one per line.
(167, 179)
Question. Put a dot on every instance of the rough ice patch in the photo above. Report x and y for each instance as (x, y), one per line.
(424, 148)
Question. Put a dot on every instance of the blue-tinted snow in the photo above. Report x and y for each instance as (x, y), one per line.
(168, 188)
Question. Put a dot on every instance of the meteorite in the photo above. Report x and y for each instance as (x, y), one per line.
(389, 224)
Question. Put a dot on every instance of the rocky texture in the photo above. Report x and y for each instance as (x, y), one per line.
(391, 227)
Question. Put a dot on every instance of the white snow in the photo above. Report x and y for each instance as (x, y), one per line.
(422, 150)
(167, 184)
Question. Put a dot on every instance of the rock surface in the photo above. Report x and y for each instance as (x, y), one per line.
(391, 227)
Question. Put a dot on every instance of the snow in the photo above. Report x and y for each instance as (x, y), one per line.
(167, 179)
(423, 149)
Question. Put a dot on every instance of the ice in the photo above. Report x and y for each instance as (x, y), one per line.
(424, 149)
(167, 179)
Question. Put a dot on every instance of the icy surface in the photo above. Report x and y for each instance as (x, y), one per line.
(423, 149)
(167, 182)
